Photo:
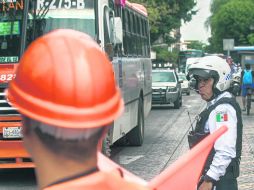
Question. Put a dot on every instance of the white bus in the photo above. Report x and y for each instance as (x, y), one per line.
(121, 29)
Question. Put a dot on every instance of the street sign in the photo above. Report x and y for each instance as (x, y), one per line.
(228, 44)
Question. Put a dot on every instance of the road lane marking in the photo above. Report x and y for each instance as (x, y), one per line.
(129, 159)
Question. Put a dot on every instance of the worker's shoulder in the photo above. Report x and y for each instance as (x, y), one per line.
(117, 182)
(99, 181)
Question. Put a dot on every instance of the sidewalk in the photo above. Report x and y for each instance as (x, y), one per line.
(246, 179)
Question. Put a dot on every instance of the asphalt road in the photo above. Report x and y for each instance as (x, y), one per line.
(165, 138)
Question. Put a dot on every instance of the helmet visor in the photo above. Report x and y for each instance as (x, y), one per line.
(200, 73)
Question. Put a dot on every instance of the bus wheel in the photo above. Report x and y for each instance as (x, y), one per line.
(136, 135)
(106, 146)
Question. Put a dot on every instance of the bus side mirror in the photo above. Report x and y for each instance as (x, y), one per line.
(117, 30)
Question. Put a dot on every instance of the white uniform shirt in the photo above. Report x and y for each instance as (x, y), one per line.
(225, 146)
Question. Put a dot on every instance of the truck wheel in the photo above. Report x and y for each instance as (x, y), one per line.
(106, 150)
(136, 135)
(181, 100)
(177, 103)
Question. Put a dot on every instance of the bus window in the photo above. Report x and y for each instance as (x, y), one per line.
(45, 16)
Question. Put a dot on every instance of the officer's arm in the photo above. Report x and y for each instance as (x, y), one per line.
(225, 146)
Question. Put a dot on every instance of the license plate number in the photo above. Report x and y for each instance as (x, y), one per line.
(12, 132)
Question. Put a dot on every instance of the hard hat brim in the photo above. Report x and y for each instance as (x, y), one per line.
(65, 116)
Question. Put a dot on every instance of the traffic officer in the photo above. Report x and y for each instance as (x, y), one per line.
(213, 77)
(67, 96)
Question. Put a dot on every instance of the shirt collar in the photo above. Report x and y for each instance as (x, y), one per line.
(213, 101)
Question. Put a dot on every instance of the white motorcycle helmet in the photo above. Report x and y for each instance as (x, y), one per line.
(212, 67)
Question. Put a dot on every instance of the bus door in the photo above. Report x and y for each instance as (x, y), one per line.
(109, 37)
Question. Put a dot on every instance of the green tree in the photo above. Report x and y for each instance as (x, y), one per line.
(215, 6)
(166, 15)
(197, 45)
(231, 19)
(163, 55)
(251, 38)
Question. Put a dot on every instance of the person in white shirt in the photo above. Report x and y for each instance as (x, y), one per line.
(221, 170)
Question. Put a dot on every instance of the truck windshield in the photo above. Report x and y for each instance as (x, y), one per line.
(11, 13)
(47, 15)
(163, 77)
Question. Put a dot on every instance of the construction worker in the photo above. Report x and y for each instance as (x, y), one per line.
(67, 96)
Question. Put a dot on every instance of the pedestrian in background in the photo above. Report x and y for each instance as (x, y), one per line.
(235, 87)
(213, 76)
(231, 64)
(247, 82)
(67, 96)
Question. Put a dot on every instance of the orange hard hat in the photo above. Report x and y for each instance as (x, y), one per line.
(64, 79)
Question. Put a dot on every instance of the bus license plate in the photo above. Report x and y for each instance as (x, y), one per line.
(12, 132)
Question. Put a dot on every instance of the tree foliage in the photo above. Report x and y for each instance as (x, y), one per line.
(251, 38)
(197, 45)
(163, 55)
(166, 15)
(216, 4)
(231, 19)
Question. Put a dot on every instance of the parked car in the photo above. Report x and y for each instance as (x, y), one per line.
(185, 85)
(166, 88)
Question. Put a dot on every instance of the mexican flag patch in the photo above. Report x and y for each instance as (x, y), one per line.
(220, 117)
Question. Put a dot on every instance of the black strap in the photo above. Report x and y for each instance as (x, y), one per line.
(92, 170)
(206, 113)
